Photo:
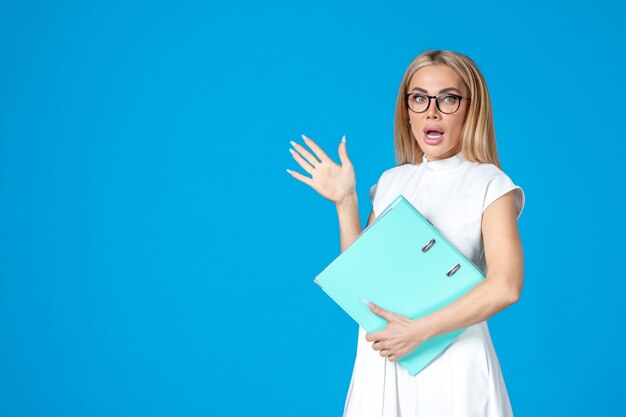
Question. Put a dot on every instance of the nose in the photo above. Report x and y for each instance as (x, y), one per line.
(432, 112)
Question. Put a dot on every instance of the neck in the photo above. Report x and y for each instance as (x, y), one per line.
(446, 164)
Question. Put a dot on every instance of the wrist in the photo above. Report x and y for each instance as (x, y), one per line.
(420, 330)
(348, 199)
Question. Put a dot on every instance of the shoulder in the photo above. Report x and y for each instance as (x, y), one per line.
(394, 176)
(389, 176)
(480, 174)
(485, 170)
(397, 172)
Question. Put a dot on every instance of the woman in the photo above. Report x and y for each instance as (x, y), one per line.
(448, 168)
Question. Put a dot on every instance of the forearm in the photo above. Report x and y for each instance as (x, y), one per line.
(477, 305)
(349, 221)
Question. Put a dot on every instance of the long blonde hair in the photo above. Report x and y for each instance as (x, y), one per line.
(478, 137)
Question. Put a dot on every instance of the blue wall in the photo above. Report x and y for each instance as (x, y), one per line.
(129, 287)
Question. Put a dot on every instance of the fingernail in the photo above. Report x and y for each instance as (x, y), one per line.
(304, 137)
(288, 170)
(291, 150)
(292, 143)
(343, 139)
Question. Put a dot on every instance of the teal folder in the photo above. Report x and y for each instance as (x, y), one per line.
(403, 264)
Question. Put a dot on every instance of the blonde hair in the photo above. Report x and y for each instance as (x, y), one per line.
(478, 137)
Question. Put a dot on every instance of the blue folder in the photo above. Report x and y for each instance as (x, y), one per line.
(403, 264)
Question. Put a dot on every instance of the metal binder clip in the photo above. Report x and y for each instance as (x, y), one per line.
(429, 245)
(453, 270)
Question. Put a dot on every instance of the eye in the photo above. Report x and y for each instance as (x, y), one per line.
(419, 98)
(450, 99)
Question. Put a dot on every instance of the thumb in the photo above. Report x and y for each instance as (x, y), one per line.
(343, 152)
(387, 315)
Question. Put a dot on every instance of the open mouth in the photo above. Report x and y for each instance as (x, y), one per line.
(434, 134)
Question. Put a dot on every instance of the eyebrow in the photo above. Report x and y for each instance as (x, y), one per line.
(440, 91)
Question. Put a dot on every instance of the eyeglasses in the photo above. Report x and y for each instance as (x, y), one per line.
(446, 103)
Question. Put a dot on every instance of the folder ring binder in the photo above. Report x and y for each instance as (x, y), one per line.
(453, 270)
(429, 245)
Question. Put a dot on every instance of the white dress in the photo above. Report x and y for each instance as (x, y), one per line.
(465, 380)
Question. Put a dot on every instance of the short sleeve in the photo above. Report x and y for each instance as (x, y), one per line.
(379, 192)
(373, 193)
(499, 185)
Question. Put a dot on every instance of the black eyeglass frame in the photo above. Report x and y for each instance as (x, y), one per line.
(406, 101)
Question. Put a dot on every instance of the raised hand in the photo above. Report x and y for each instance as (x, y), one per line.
(332, 181)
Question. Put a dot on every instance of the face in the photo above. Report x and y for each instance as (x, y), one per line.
(433, 80)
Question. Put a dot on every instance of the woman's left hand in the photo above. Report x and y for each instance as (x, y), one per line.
(401, 336)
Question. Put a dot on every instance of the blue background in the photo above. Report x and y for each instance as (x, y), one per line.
(129, 287)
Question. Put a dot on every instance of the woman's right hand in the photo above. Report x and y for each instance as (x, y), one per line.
(332, 181)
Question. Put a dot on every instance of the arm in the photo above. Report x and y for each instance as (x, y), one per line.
(503, 283)
(349, 222)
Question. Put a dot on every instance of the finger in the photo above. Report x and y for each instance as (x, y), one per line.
(388, 315)
(343, 154)
(315, 147)
(375, 337)
(385, 353)
(300, 177)
(306, 154)
(305, 165)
